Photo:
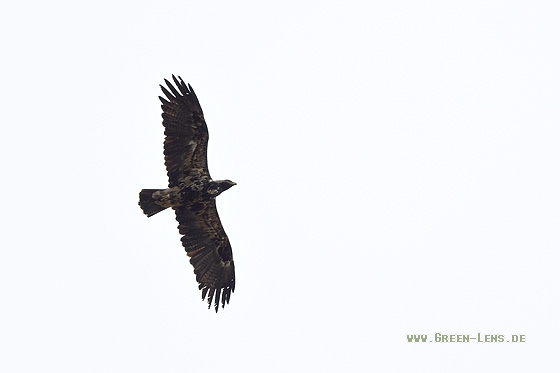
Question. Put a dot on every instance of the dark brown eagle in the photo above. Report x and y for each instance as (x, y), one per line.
(192, 193)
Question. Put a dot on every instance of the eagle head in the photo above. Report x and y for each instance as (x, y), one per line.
(215, 188)
(226, 184)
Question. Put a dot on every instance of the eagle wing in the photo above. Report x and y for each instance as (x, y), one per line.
(186, 133)
(207, 244)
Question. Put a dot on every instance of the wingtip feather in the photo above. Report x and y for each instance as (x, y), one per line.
(172, 88)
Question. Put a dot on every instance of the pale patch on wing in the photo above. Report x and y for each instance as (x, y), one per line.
(192, 146)
(188, 155)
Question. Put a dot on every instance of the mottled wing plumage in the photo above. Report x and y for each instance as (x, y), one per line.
(207, 244)
(186, 134)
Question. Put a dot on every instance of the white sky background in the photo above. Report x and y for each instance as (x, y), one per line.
(397, 168)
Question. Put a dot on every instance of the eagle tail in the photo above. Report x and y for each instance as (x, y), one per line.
(148, 204)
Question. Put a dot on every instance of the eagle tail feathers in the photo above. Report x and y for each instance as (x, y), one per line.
(147, 202)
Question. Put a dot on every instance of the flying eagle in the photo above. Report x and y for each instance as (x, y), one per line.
(192, 193)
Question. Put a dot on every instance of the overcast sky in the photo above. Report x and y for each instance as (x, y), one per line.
(397, 169)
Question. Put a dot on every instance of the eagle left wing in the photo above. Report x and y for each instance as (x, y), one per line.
(207, 244)
(186, 133)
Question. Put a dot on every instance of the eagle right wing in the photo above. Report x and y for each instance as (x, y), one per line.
(186, 133)
(207, 244)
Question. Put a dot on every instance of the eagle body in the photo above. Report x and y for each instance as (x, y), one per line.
(191, 196)
(192, 193)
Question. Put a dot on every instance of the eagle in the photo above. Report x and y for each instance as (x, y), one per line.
(192, 193)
